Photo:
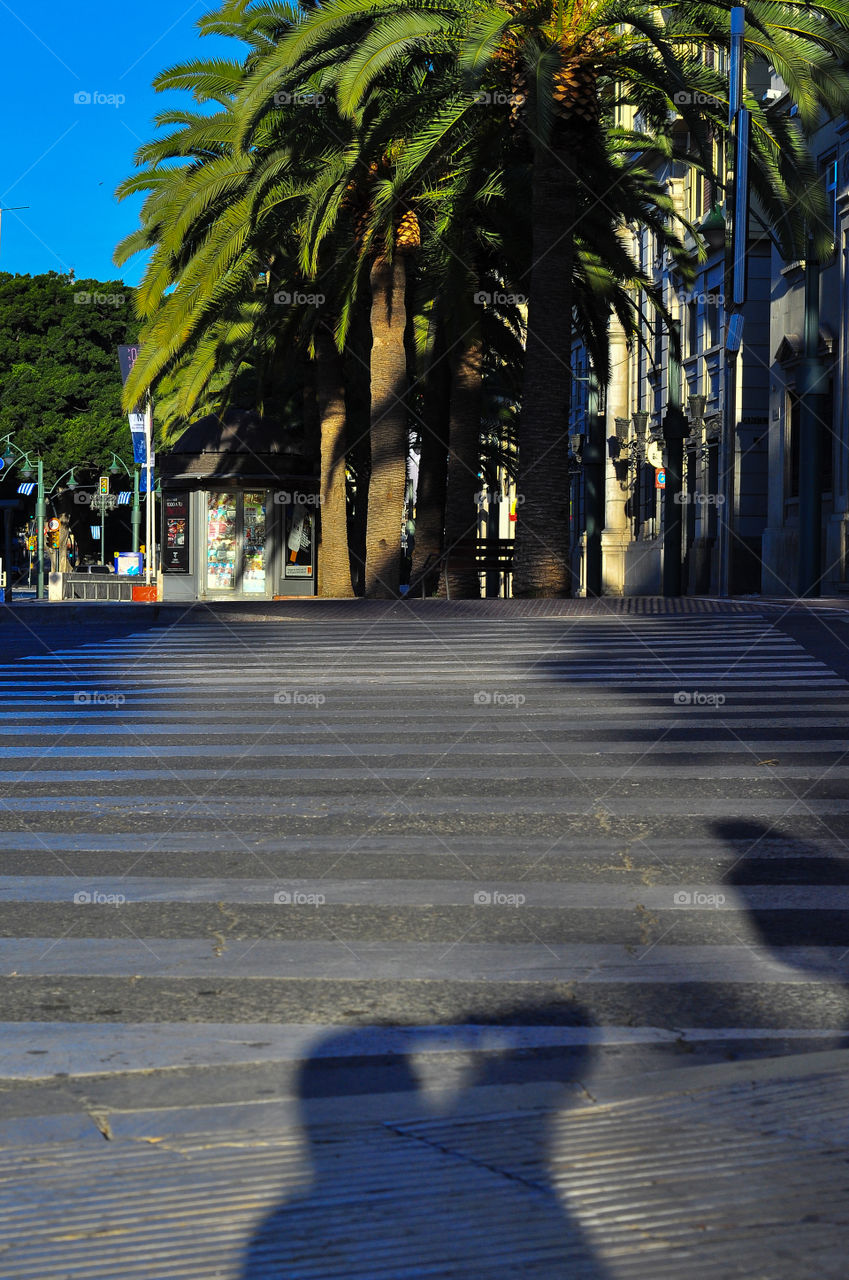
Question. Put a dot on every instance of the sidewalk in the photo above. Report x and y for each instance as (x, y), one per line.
(717, 1171)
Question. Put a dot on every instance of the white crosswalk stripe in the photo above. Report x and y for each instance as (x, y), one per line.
(640, 822)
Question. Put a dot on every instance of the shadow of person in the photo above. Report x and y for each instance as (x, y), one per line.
(781, 880)
(410, 1182)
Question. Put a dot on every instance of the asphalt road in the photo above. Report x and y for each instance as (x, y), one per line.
(226, 841)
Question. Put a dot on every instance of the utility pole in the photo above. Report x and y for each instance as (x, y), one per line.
(736, 282)
(675, 429)
(811, 378)
(39, 534)
(136, 515)
(592, 459)
(149, 529)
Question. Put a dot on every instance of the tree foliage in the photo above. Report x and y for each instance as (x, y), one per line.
(60, 383)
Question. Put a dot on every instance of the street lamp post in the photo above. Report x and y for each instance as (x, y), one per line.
(39, 530)
(136, 515)
(810, 437)
(592, 459)
(149, 529)
(675, 429)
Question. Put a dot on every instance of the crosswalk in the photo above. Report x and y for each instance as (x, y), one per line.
(220, 840)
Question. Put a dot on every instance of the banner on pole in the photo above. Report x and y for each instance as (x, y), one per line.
(127, 356)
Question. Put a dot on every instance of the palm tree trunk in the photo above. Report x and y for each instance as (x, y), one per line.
(388, 428)
(541, 565)
(433, 464)
(334, 563)
(464, 461)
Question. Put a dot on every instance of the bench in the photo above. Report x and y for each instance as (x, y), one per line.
(481, 555)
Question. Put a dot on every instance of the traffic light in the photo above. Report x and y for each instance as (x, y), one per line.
(104, 484)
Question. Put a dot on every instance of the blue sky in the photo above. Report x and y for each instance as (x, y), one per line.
(64, 158)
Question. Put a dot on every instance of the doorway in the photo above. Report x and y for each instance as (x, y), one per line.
(237, 542)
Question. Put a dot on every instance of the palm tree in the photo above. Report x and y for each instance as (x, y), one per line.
(561, 70)
(222, 228)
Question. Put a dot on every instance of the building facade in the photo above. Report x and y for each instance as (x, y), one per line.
(740, 488)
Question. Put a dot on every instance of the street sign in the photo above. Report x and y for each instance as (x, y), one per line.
(53, 525)
(660, 479)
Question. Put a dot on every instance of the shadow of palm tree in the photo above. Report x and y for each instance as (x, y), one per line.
(405, 1183)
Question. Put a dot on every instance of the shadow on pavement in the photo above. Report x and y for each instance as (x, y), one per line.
(795, 934)
(413, 1184)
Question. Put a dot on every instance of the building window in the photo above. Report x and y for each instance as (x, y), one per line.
(711, 322)
(692, 329)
